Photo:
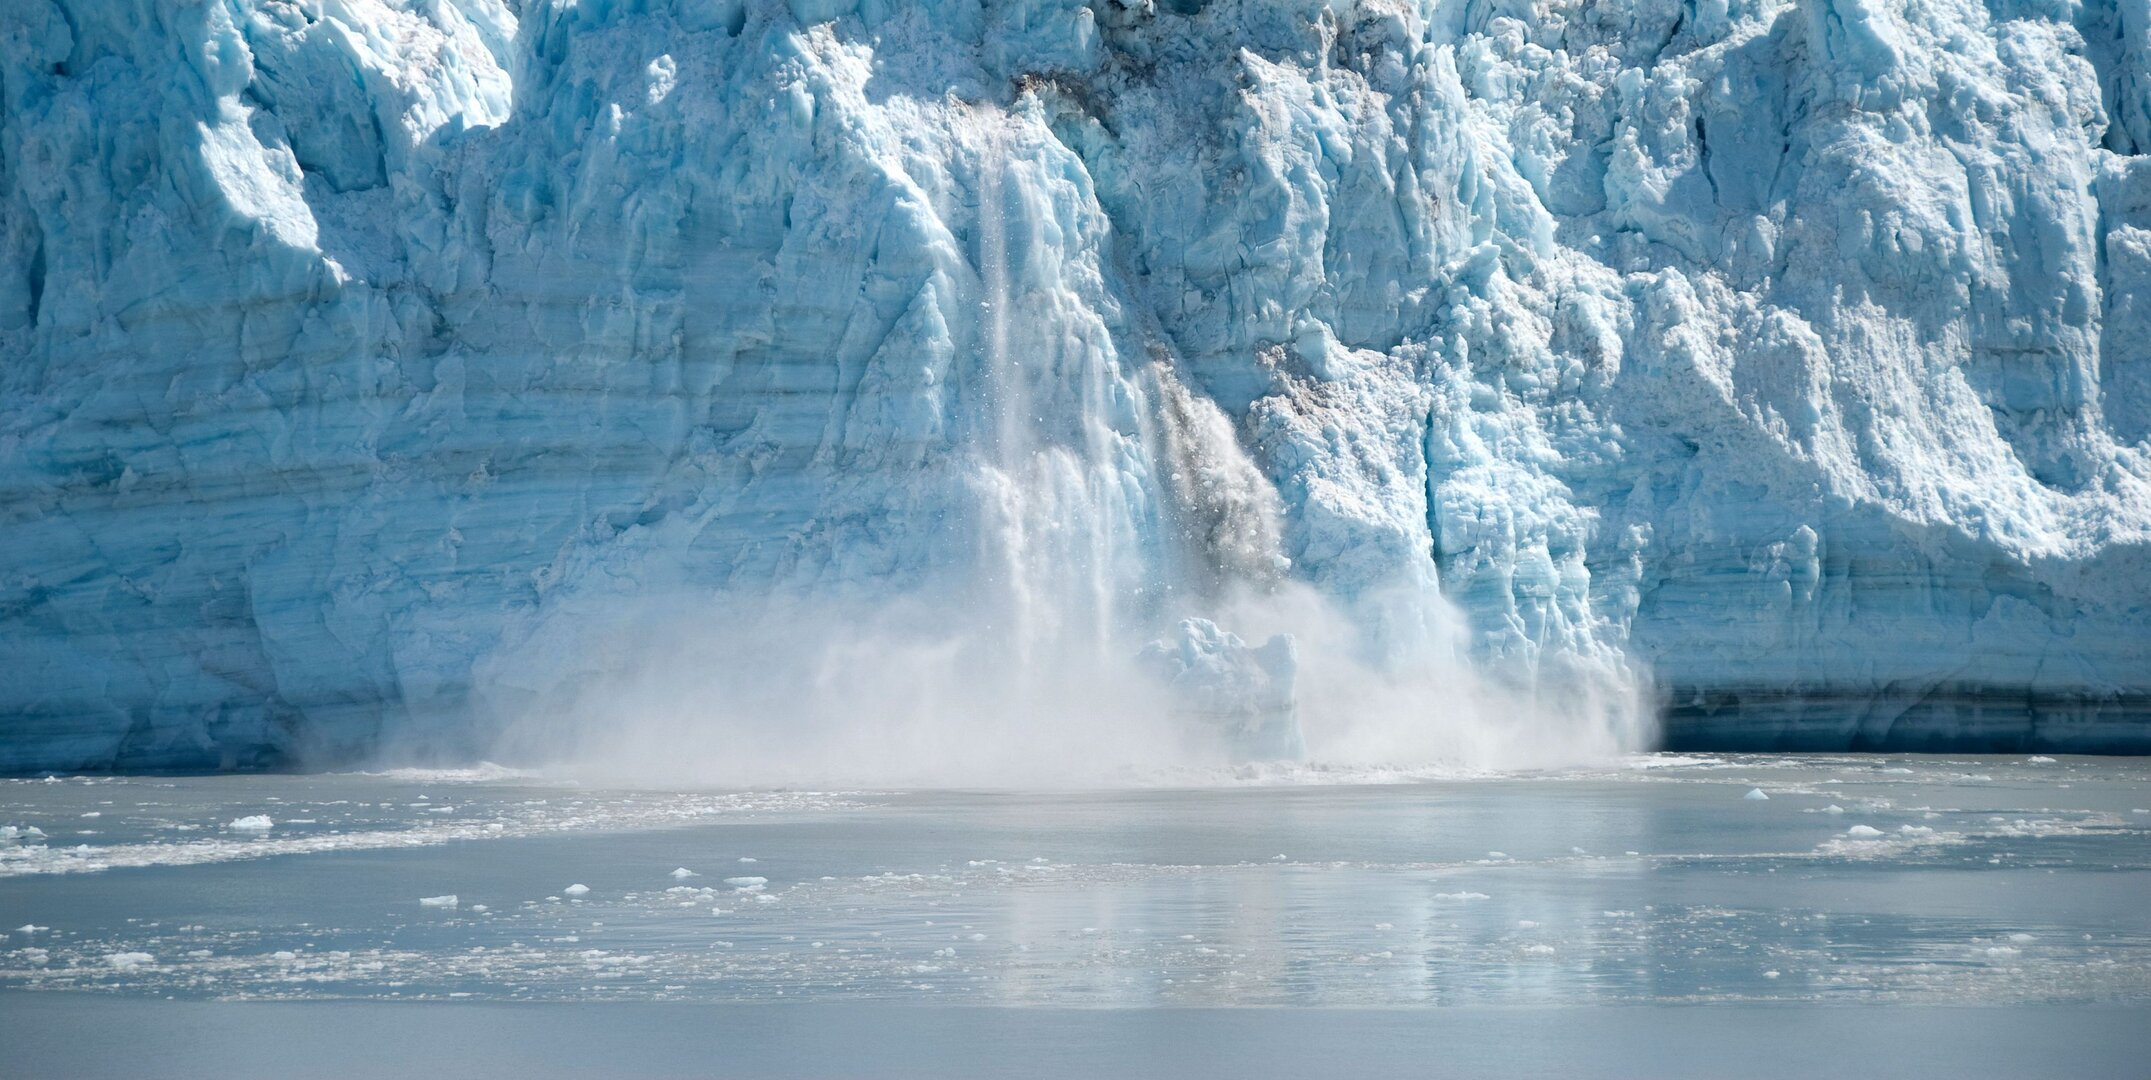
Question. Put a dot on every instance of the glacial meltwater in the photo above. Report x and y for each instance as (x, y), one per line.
(1259, 901)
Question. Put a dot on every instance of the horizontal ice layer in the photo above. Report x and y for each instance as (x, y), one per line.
(359, 360)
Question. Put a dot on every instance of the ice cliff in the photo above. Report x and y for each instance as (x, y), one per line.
(367, 365)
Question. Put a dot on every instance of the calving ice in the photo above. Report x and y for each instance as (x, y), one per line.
(918, 388)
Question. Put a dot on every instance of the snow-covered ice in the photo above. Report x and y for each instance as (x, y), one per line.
(388, 371)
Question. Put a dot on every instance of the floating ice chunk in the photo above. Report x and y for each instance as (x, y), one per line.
(577, 889)
(252, 823)
(683, 873)
(2000, 951)
(480, 908)
(1897, 771)
(1539, 950)
(1833, 808)
(746, 882)
(1863, 832)
(283, 954)
(2022, 939)
(129, 961)
(1770, 974)
(1497, 854)
(2040, 759)
(28, 928)
(1461, 896)
(1756, 795)
(447, 900)
(1915, 830)
(746, 858)
(95, 813)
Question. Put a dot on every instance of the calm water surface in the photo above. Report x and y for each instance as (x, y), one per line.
(1960, 882)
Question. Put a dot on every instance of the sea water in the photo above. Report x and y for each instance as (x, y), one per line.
(1830, 883)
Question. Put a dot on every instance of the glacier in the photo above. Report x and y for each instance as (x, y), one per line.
(389, 372)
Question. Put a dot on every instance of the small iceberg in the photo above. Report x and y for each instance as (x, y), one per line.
(252, 823)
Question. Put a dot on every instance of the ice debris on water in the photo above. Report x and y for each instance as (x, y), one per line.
(683, 873)
(1756, 795)
(1863, 832)
(251, 823)
(577, 889)
(446, 900)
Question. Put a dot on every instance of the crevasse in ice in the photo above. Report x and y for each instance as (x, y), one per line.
(366, 364)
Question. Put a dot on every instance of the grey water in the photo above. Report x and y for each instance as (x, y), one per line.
(1985, 902)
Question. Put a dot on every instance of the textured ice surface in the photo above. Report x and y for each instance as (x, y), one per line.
(366, 365)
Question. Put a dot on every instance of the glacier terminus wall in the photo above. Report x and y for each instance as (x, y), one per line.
(370, 370)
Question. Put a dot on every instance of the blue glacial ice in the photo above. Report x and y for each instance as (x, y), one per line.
(395, 372)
